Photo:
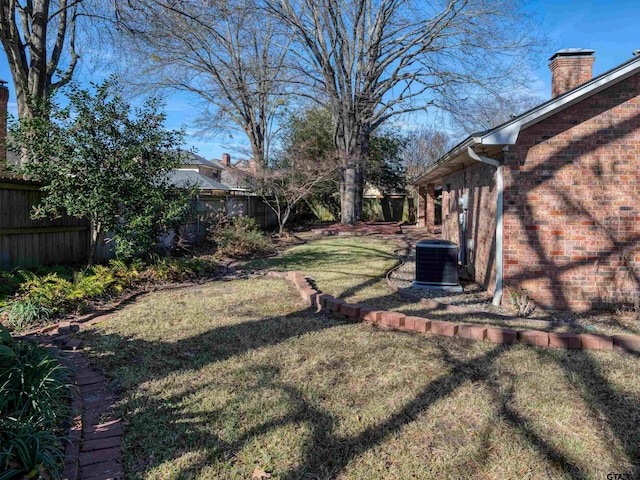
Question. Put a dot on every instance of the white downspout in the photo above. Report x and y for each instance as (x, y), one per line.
(497, 295)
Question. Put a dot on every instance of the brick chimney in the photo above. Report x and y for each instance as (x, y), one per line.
(4, 100)
(569, 68)
(226, 160)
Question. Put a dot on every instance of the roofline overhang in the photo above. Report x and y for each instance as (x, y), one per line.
(507, 133)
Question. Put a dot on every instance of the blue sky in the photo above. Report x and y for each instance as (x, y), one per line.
(610, 28)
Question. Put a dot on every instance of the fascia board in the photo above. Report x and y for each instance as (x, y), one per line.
(507, 134)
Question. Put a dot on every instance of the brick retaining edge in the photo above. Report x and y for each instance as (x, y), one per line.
(397, 321)
(94, 437)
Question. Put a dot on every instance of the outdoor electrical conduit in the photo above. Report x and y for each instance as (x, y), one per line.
(497, 295)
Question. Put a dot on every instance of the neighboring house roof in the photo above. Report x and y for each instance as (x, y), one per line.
(194, 159)
(188, 178)
(495, 139)
(228, 176)
(373, 191)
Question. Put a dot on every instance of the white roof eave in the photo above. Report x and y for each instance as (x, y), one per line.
(507, 134)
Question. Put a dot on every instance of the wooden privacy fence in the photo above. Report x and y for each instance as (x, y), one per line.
(253, 207)
(232, 206)
(26, 243)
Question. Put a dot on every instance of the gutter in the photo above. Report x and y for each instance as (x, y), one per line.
(454, 152)
(497, 295)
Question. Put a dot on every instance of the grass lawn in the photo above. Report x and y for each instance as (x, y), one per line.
(353, 269)
(222, 378)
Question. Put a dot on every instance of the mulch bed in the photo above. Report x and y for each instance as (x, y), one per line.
(360, 228)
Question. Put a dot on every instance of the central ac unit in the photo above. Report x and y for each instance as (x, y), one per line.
(437, 265)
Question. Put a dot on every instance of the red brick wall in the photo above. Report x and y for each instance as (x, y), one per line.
(477, 181)
(569, 72)
(572, 203)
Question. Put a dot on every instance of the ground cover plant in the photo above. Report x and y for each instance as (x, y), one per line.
(34, 399)
(241, 374)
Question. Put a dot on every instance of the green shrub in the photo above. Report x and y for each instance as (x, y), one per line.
(240, 238)
(176, 269)
(8, 284)
(127, 275)
(48, 291)
(95, 282)
(34, 394)
(60, 271)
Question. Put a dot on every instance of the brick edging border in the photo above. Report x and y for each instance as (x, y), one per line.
(398, 321)
(94, 437)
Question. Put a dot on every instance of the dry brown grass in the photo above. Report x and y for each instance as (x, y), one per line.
(218, 379)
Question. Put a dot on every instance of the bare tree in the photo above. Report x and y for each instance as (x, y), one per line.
(229, 56)
(288, 181)
(373, 59)
(484, 111)
(39, 37)
(423, 148)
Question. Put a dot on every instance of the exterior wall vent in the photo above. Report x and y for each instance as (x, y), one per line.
(437, 265)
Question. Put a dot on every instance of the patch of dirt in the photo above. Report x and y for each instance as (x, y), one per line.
(360, 228)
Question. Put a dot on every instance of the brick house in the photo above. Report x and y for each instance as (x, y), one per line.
(550, 200)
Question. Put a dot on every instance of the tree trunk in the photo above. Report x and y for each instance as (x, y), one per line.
(95, 238)
(282, 221)
(349, 197)
(355, 159)
(256, 139)
(363, 149)
(346, 144)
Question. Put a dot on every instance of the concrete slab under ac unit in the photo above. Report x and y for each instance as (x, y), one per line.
(431, 286)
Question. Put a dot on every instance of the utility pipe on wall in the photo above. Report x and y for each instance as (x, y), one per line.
(497, 295)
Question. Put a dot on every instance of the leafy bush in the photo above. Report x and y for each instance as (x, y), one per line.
(176, 269)
(95, 282)
(127, 275)
(8, 283)
(240, 238)
(34, 397)
(49, 291)
(102, 159)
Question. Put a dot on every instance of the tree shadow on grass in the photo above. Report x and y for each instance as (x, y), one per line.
(302, 258)
(620, 412)
(326, 454)
(518, 422)
(158, 359)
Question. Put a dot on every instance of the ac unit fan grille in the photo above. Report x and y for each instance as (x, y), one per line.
(437, 262)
